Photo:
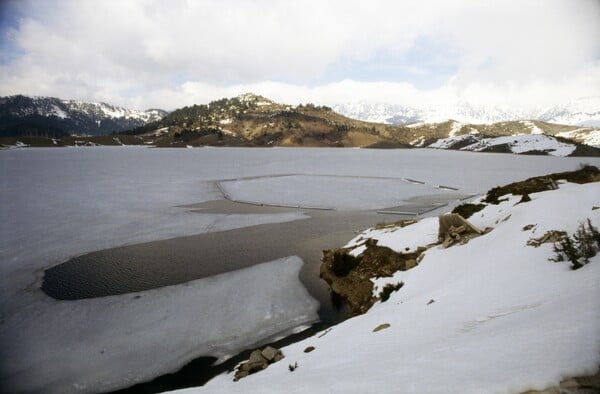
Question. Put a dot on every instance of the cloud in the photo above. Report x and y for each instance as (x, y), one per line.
(155, 53)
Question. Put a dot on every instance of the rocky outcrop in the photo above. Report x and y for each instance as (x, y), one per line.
(259, 360)
(586, 174)
(454, 229)
(349, 277)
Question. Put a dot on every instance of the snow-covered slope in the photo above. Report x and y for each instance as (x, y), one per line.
(583, 135)
(408, 114)
(515, 143)
(490, 316)
(71, 116)
(581, 112)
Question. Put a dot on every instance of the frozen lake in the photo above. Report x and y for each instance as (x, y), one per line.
(62, 203)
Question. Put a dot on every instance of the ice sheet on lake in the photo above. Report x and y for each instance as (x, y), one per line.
(327, 192)
(104, 343)
(57, 203)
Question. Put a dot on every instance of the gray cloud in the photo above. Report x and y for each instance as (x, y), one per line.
(170, 53)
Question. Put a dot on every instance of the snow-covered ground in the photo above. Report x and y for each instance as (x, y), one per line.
(60, 203)
(504, 319)
(517, 143)
(525, 143)
(584, 135)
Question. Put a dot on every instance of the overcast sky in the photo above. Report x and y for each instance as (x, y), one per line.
(166, 54)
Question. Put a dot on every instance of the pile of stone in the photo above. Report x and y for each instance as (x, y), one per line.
(259, 360)
(454, 229)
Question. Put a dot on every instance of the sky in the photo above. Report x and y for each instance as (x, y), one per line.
(169, 53)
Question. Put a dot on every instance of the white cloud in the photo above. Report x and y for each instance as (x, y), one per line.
(138, 52)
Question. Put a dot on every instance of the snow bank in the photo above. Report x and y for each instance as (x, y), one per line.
(402, 240)
(104, 343)
(504, 318)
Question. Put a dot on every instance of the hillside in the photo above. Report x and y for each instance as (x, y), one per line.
(55, 118)
(475, 315)
(253, 120)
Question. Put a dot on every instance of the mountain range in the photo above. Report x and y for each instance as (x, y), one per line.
(54, 117)
(581, 112)
(253, 120)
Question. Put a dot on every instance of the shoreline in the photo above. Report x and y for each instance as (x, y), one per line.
(236, 249)
(101, 273)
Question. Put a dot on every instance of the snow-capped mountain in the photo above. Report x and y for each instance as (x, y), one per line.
(50, 116)
(581, 112)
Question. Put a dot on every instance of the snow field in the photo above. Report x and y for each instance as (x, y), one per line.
(504, 318)
(60, 203)
(517, 143)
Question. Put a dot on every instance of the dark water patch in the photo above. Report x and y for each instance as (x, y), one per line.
(145, 266)
(135, 268)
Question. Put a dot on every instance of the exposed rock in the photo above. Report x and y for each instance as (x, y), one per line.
(259, 360)
(309, 349)
(528, 227)
(524, 198)
(271, 354)
(589, 384)
(381, 327)
(388, 289)
(467, 210)
(586, 174)
(551, 236)
(349, 277)
(455, 229)
(431, 301)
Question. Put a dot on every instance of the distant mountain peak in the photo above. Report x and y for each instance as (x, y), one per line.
(69, 116)
(581, 112)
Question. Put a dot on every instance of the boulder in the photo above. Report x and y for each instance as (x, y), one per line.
(270, 354)
(453, 228)
(259, 360)
(381, 327)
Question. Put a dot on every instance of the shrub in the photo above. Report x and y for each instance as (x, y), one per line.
(580, 247)
(388, 289)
